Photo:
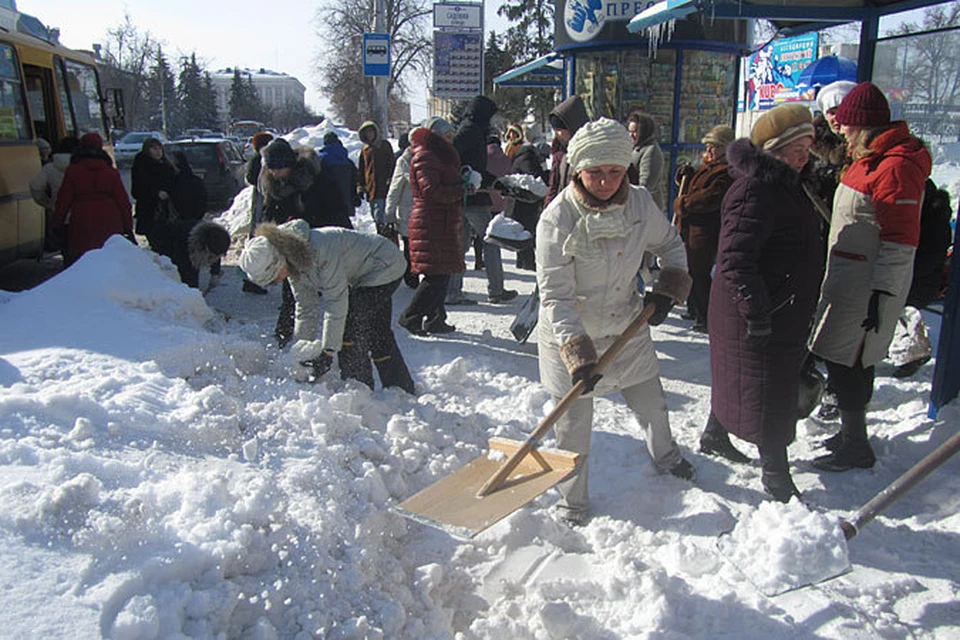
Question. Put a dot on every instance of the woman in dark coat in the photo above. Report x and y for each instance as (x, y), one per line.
(92, 201)
(151, 182)
(764, 292)
(527, 160)
(188, 193)
(436, 225)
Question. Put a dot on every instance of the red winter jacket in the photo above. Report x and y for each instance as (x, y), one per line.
(436, 224)
(93, 197)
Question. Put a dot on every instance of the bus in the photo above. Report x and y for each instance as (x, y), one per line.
(46, 91)
(245, 129)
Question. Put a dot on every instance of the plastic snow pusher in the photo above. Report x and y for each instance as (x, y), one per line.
(485, 491)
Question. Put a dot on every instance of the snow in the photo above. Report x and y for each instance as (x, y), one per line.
(163, 476)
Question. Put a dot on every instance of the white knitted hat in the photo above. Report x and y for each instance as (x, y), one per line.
(261, 261)
(602, 141)
(833, 94)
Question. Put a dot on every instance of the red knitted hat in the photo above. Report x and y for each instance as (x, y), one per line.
(864, 106)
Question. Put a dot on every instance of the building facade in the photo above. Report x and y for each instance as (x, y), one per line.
(276, 90)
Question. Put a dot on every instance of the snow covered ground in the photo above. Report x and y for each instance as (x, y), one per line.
(162, 477)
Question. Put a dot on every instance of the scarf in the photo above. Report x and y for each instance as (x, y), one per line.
(598, 220)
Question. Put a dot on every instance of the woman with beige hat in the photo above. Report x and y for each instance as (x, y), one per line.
(590, 241)
(763, 295)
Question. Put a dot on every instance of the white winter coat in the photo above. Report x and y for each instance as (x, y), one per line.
(400, 197)
(599, 297)
(46, 184)
(341, 259)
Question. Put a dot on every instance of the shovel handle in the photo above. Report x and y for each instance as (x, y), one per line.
(900, 486)
(574, 393)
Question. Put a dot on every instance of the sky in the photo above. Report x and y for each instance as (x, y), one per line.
(281, 35)
(163, 476)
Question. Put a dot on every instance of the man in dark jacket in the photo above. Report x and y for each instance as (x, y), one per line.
(337, 165)
(470, 141)
(697, 215)
(566, 119)
(375, 171)
(191, 246)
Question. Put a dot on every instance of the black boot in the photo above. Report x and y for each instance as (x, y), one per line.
(834, 442)
(716, 442)
(776, 479)
(854, 450)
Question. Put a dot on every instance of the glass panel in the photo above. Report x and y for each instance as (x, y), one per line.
(707, 94)
(919, 74)
(81, 83)
(13, 114)
(614, 83)
(65, 111)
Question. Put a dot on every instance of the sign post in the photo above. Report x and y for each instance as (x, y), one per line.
(458, 50)
(376, 64)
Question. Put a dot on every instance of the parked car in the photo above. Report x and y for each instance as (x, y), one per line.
(129, 145)
(218, 163)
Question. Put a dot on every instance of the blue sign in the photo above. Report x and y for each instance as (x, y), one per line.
(376, 54)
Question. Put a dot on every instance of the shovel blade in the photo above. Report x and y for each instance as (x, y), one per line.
(451, 504)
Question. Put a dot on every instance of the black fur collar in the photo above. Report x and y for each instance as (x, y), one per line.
(747, 160)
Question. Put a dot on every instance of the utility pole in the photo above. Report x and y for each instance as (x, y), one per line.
(380, 83)
(163, 88)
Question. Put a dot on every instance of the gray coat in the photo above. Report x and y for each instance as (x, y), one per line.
(647, 159)
(338, 260)
(400, 197)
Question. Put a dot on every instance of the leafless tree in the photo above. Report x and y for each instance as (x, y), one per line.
(128, 54)
(341, 25)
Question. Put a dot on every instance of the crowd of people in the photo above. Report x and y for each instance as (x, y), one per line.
(799, 246)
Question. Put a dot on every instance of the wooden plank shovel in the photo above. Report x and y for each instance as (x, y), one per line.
(489, 489)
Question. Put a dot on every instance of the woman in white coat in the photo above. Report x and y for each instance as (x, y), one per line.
(590, 242)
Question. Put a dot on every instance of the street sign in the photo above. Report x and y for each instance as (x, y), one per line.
(457, 64)
(376, 54)
(457, 16)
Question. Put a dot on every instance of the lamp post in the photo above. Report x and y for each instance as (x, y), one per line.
(380, 83)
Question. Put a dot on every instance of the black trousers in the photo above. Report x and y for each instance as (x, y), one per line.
(427, 303)
(853, 385)
(701, 244)
(368, 339)
(285, 320)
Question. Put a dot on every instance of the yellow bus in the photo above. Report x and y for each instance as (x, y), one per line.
(46, 91)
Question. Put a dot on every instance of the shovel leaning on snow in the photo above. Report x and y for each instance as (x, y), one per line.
(849, 528)
(487, 490)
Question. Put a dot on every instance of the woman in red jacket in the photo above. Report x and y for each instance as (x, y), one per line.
(436, 226)
(92, 203)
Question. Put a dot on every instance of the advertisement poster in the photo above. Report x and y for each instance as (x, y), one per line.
(773, 73)
(457, 64)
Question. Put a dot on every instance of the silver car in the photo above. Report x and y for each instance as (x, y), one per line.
(129, 145)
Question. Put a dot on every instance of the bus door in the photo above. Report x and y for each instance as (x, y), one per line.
(39, 85)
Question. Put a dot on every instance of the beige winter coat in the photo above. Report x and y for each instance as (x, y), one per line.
(598, 296)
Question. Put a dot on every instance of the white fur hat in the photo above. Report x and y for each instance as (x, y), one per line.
(261, 261)
(833, 94)
(602, 141)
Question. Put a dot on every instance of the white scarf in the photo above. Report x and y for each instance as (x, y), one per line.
(593, 226)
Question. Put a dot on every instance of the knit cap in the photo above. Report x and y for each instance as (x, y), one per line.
(279, 154)
(782, 125)
(91, 140)
(600, 142)
(864, 106)
(261, 261)
(720, 136)
(833, 94)
(438, 125)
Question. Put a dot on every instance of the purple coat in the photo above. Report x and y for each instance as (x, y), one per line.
(769, 263)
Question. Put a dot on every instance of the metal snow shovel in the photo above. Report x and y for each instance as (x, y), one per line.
(487, 490)
(865, 514)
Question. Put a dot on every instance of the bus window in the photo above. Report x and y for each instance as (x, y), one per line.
(13, 114)
(39, 85)
(80, 98)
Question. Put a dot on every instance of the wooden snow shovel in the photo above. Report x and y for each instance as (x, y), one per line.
(868, 512)
(487, 490)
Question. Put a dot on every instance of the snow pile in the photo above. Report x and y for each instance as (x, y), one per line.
(780, 547)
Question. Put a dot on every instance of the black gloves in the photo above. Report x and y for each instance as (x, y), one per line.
(662, 303)
(321, 364)
(585, 373)
(872, 321)
(759, 331)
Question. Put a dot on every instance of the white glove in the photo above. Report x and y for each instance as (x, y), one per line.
(303, 351)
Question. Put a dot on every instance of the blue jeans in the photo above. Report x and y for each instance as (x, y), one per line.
(378, 211)
(475, 221)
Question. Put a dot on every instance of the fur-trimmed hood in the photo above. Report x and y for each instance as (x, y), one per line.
(747, 160)
(292, 242)
(305, 171)
(423, 139)
(369, 124)
(202, 240)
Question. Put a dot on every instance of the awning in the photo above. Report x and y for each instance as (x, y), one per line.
(660, 13)
(545, 71)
